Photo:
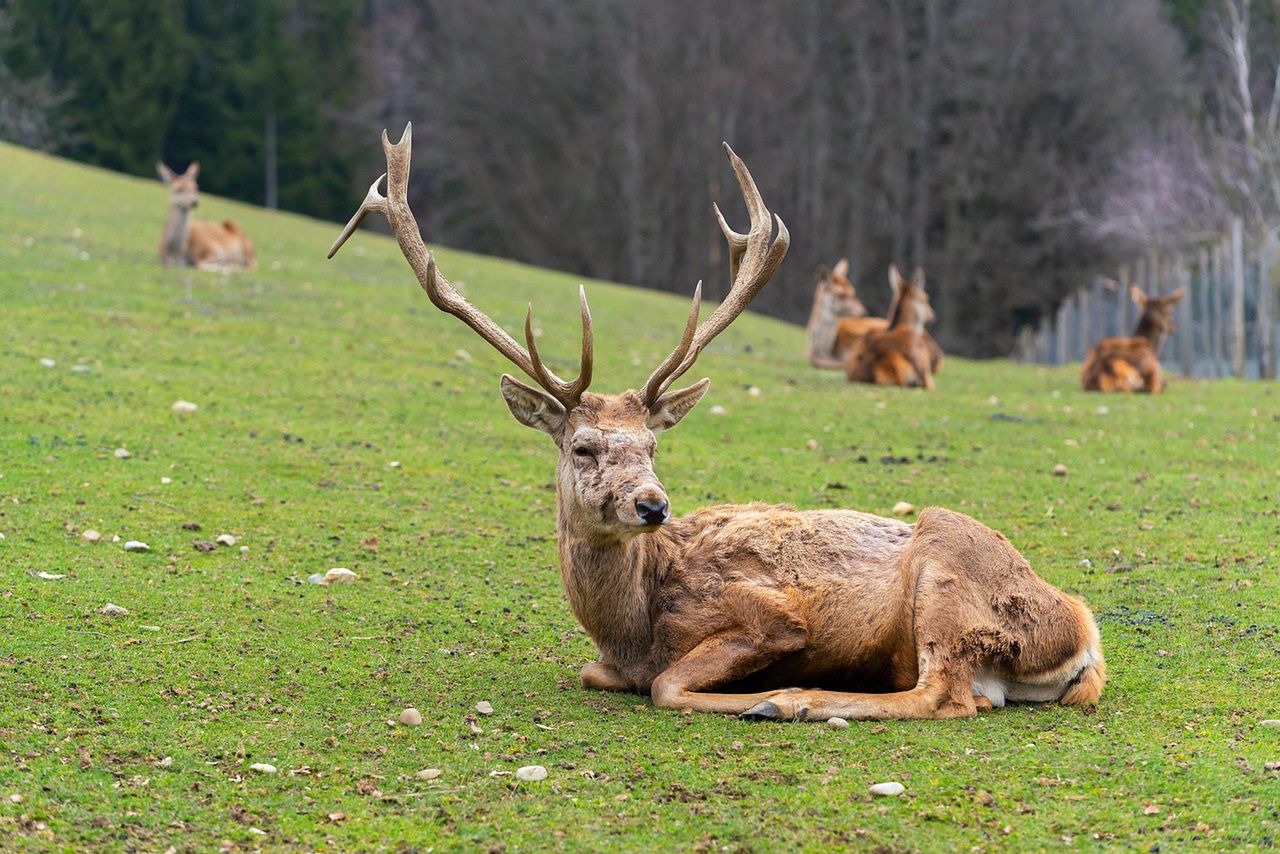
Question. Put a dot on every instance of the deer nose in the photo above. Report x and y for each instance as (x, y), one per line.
(652, 512)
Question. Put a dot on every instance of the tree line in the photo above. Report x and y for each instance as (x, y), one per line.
(1012, 148)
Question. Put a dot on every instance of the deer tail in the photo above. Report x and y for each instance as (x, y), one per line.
(232, 226)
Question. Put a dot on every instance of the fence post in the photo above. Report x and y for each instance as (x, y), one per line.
(1186, 323)
(1266, 321)
(1237, 297)
(1122, 302)
(1219, 315)
(1084, 319)
(1060, 335)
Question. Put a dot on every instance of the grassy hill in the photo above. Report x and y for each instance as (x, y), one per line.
(314, 378)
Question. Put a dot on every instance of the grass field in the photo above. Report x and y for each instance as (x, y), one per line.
(312, 378)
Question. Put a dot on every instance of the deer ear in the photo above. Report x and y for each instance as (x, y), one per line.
(532, 407)
(193, 170)
(165, 173)
(1176, 297)
(842, 268)
(1138, 297)
(895, 278)
(667, 410)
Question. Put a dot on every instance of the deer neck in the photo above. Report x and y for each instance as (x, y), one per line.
(176, 226)
(611, 583)
(1148, 329)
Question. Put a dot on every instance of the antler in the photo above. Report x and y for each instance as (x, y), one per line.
(753, 258)
(395, 206)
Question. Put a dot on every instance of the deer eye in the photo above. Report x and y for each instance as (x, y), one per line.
(583, 451)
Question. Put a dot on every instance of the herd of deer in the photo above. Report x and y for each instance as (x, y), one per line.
(762, 610)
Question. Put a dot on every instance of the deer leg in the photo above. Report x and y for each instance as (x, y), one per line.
(599, 676)
(719, 660)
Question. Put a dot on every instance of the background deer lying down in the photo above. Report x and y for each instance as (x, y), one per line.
(733, 607)
(902, 353)
(834, 301)
(1133, 364)
(190, 243)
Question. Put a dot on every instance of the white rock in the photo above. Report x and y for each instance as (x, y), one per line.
(225, 540)
(184, 406)
(1060, 470)
(411, 717)
(754, 392)
(111, 610)
(717, 410)
(136, 546)
(812, 444)
(166, 480)
(48, 363)
(339, 575)
(484, 708)
(257, 831)
(1271, 722)
(1, 536)
(122, 453)
(837, 723)
(315, 578)
(49, 576)
(428, 774)
(244, 550)
(263, 768)
(888, 790)
(1102, 410)
(531, 773)
(394, 464)
(15, 798)
(81, 369)
(903, 508)
(91, 535)
(1084, 561)
(166, 762)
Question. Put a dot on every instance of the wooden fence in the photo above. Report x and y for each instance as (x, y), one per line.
(1225, 326)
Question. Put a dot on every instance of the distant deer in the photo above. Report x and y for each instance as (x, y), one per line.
(902, 353)
(834, 301)
(204, 245)
(728, 609)
(1133, 363)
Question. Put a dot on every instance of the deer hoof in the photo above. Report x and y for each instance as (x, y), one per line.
(763, 711)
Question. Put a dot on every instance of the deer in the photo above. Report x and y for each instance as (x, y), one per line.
(834, 301)
(901, 352)
(758, 610)
(186, 242)
(1133, 363)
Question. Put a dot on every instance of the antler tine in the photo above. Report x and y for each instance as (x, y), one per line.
(567, 393)
(753, 258)
(658, 380)
(443, 295)
(374, 202)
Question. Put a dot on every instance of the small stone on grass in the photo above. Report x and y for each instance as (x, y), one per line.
(888, 790)
(112, 610)
(338, 575)
(122, 453)
(184, 406)
(411, 717)
(136, 546)
(1059, 470)
(225, 540)
(91, 535)
(837, 723)
(531, 773)
(428, 774)
(1271, 722)
(903, 508)
(263, 768)
(483, 707)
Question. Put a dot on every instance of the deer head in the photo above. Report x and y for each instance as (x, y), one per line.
(835, 287)
(910, 304)
(183, 190)
(1156, 321)
(606, 443)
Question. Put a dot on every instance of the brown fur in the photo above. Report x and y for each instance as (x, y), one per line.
(903, 353)
(193, 243)
(1133, 364)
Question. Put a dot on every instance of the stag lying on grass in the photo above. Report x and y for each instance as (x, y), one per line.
(834, 302)
(1133, 363)
(902, 353)
(205, 245)
(730, 608)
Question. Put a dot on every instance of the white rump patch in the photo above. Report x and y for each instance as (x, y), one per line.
(987, 684)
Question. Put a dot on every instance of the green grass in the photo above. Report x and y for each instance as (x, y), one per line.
(313, 376)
